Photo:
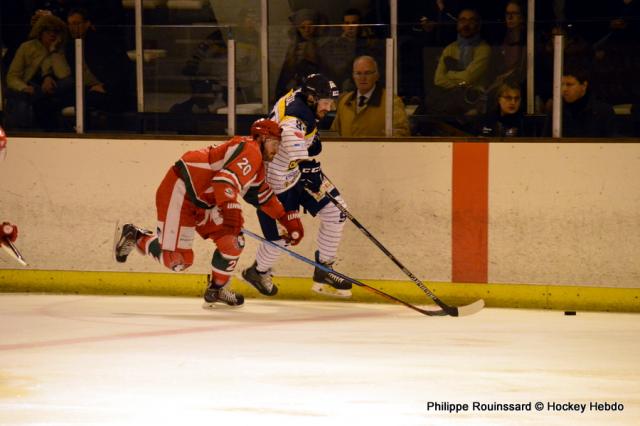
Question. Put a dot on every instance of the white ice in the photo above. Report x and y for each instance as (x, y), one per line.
(90, 360)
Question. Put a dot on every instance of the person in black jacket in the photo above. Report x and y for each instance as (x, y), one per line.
(583, 115)
(506, 119)
(107, 71)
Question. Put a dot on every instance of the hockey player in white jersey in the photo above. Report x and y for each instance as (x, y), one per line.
(290, 174)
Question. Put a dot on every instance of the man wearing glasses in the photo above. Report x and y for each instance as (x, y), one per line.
(362, 112)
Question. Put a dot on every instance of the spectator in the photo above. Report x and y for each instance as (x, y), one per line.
(338, 52)
(462, 69)
(362, 112)
(247, 38)
(39, 77)
(506, 119)
(302, 57)
(582, 114)
(107, 70)
(575, 49)
(424, 29)
(509, 58)
(617, 55)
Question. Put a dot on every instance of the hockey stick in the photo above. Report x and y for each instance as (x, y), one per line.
(454, 311)
(428, 312)
(13, 251)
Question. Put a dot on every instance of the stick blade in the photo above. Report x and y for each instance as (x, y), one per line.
(13, 251)
(433, 311)
(475, 307)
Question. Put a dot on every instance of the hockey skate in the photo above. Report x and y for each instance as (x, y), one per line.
(329, 284)
(221, 294)
(260, 280)
(126, 237)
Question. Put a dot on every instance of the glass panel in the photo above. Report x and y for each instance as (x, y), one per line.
(442, 88)
(305, 39)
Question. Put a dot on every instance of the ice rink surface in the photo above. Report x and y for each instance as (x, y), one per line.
(95, 360)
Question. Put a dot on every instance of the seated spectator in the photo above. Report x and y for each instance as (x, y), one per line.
(424, 29)
(302, 57)
(39, 77)
(582, 114)
(338, 52)
(506, 119)
(106, 70)
(462, 70)
(362, 112)
(575, 49)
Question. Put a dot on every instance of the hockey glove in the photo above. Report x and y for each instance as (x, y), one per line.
(231, 213)
(291, 221)
(9, 232)
(311, 175)
(316, 147)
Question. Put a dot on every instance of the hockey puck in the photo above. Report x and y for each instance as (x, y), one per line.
(569, 312)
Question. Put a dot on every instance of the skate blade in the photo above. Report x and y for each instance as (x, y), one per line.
(327, 290)
(216, 306)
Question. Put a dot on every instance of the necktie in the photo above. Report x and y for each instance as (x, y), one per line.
(362, 100)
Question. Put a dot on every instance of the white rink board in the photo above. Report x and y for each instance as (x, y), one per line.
(559, 214)
(565, 213)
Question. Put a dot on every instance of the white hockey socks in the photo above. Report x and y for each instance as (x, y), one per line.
(330, 233)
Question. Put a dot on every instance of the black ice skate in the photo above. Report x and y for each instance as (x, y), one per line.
(329, 284)
(215, 294)
(260, 280)
(126, 240)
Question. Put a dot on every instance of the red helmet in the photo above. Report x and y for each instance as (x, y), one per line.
(266, 128)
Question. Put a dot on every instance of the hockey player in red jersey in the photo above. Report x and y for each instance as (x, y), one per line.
(200, 193)
(8, 231)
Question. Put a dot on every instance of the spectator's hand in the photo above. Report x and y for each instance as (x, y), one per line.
(29, 89)
(618, 24)
(49, 85)
(427, 25)
(98, 88)
(452, 64)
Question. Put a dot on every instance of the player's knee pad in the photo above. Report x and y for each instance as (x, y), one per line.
(331, 214)
(177, 260)
(230, 245)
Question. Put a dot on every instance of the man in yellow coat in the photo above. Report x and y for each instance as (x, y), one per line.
(362, 112)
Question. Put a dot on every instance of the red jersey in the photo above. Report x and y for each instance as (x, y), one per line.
(215, 175)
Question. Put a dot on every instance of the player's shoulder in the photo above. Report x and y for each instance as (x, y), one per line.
(249, 148)
(299, 109)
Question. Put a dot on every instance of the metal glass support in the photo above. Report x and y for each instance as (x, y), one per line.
(393, 6)
(139, 57)
(264, 55)
(231, 87)
(79, 86)
(389, 85)
(558, 54)
(531, 18)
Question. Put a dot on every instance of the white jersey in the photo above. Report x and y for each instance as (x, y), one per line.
(298, 125)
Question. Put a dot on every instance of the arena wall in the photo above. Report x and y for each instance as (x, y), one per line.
(557, 214)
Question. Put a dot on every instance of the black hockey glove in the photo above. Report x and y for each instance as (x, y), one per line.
(316, 147)
(311, 175)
